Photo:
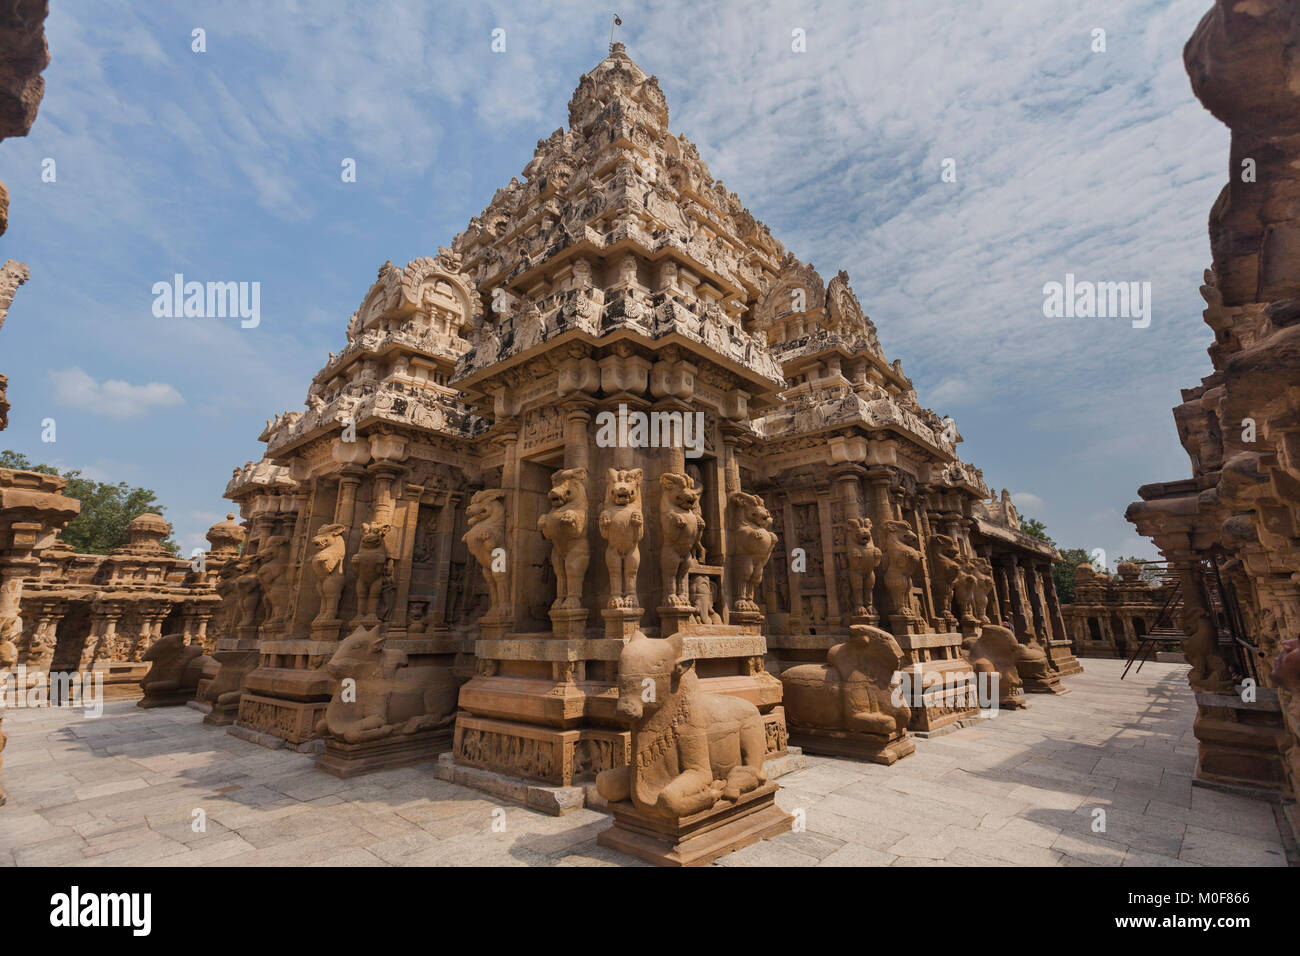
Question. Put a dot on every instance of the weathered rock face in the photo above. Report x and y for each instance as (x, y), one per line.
(23, 55)
(1234, 528)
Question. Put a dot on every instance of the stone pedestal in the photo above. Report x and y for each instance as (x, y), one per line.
(542, 707)
(237, 657)
(877, 748)
(1241, 745)
(343, 759)
(941, 683)
(699, 839)
(286, 694)
(1063, 659)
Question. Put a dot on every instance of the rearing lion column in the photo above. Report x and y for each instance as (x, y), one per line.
(864, 558)
(752, 542)
(565, 526)
(621, 525)
(682, 523)
(486, 540)
(327, 565)
(902, 563)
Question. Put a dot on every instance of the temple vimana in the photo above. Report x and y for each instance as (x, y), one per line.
(615, 503)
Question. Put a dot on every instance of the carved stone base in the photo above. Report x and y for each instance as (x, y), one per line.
(839, 743)
(555, 800)
(900, 624)
(223, 714)
(941, 683)
(293, 721)
(1063, 658)
(673, 618)
(1046, 683)
(175, 699)
(343, 759)
(1241, 744)
(569, 623)
(621, 623)
(544, 754)
(699, 839)
(326, 630)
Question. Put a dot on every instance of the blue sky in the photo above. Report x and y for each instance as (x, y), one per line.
(225, 166)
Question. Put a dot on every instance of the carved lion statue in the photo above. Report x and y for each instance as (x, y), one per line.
(565, 526)
(902, 564)
(273, 577)
(175, 671)
(248, 590)
(994, 656)
(965, 587)
(683, 526)
(983, 589)
(691, 749)
(388, 694)
(864, 558)
(487, 534)
(1201, 648)
(370, 564)
(945, 569)
(327, 565)
(621, 525)
(852, 690)
(752, 542)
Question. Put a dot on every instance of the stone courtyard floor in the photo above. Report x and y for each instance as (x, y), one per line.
(1021, 788)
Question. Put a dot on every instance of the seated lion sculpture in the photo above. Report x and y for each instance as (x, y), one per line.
(175, 673)
(690, 749)
(388, 694)
(995, 656)
(852, 690)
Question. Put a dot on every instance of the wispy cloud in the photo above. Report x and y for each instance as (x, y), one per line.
(111, 398)
(225, 165)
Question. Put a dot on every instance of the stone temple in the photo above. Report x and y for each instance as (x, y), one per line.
(615, 436)
(615, 509)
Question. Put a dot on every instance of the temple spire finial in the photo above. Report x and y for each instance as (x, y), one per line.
(618, 22)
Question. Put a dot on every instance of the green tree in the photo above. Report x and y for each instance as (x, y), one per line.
(1035, 529)
(106, 509)
(1063, 572)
